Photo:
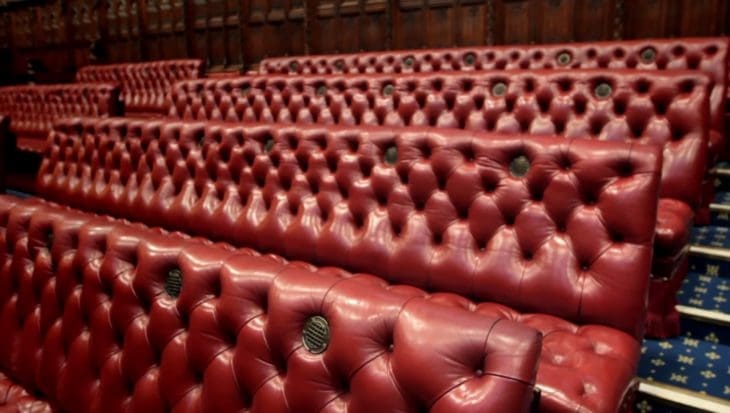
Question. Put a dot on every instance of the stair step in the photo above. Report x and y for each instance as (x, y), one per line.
(705, 297)
(688, 364)
(711, 236)
(721, 169)
(655, 397)
(711, 261)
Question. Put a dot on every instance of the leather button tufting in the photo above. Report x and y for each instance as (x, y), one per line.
(648, 55)
(519, 166)
(470, 59)
(564, 58)
(294, 66)
(408, 61)
(316, 334)
(340, 65)
(269, 145)
(603, 90)
(173, 283)
(388, 90)
(321, 90)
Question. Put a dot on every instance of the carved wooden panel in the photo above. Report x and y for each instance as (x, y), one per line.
(23, 23)
(650, 18)
(123, 24)
(273, 28)
(52, 24)
(231, 34)
(703, 17)
(512, 22)
(217, 34)
(5, 30)
(84, 20)
(163, 23)
(362, 25)
(596, 19)
(554, 21)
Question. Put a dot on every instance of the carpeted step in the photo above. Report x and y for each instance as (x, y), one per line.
(689, 363)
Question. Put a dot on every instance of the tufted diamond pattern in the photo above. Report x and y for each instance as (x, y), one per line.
(709, 55)
(33, 109)
(143, 85)
(7, 146)
(442, 211)
(93, 329)
(643, 106)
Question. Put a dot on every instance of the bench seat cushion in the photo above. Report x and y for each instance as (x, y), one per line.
(106, 316)
(587, 368)
(14, 398)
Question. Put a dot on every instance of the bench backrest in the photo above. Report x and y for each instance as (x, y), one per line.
(32, 109)
(98, 315)
(143, 85)
(545, 224)
(643, 106)
(709, 55)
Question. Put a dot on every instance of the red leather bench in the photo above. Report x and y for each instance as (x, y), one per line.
(99, 315)
(33, 109)
(144, 85)
(7, 146)
(668, 109)
(709, 55)
(540, 225)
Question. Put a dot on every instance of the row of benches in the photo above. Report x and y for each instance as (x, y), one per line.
(555, 234)
(532, 230)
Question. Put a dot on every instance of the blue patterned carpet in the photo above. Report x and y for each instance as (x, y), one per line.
(699, 360)
(701, 364)
(705, 291)
(711, 236)
(722, 197)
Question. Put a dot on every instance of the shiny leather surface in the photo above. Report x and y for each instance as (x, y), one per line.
(644, 106)
(14, 398)
(90, 327)
(33, 109)
(7, 146)
(709, 55)
(143, 85)
(448, 215)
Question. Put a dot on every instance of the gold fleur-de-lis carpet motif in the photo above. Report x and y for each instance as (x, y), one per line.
(698, 360)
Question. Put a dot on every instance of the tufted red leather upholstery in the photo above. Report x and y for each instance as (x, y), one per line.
(90, 326)
(556, 242)
(709, 55)
(668, 109)
(326, 195)
(144, 85)
(33, 109)
(7, 145)
(665, 109)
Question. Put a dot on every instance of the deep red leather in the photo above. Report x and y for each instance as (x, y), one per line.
(649, 107)
(709, 55)
(448, 216)
(144, 85)
(92, 329)
(645, 106)
(7, 146)
(33, 109)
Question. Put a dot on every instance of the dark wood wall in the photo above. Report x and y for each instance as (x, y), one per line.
(55, 36)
